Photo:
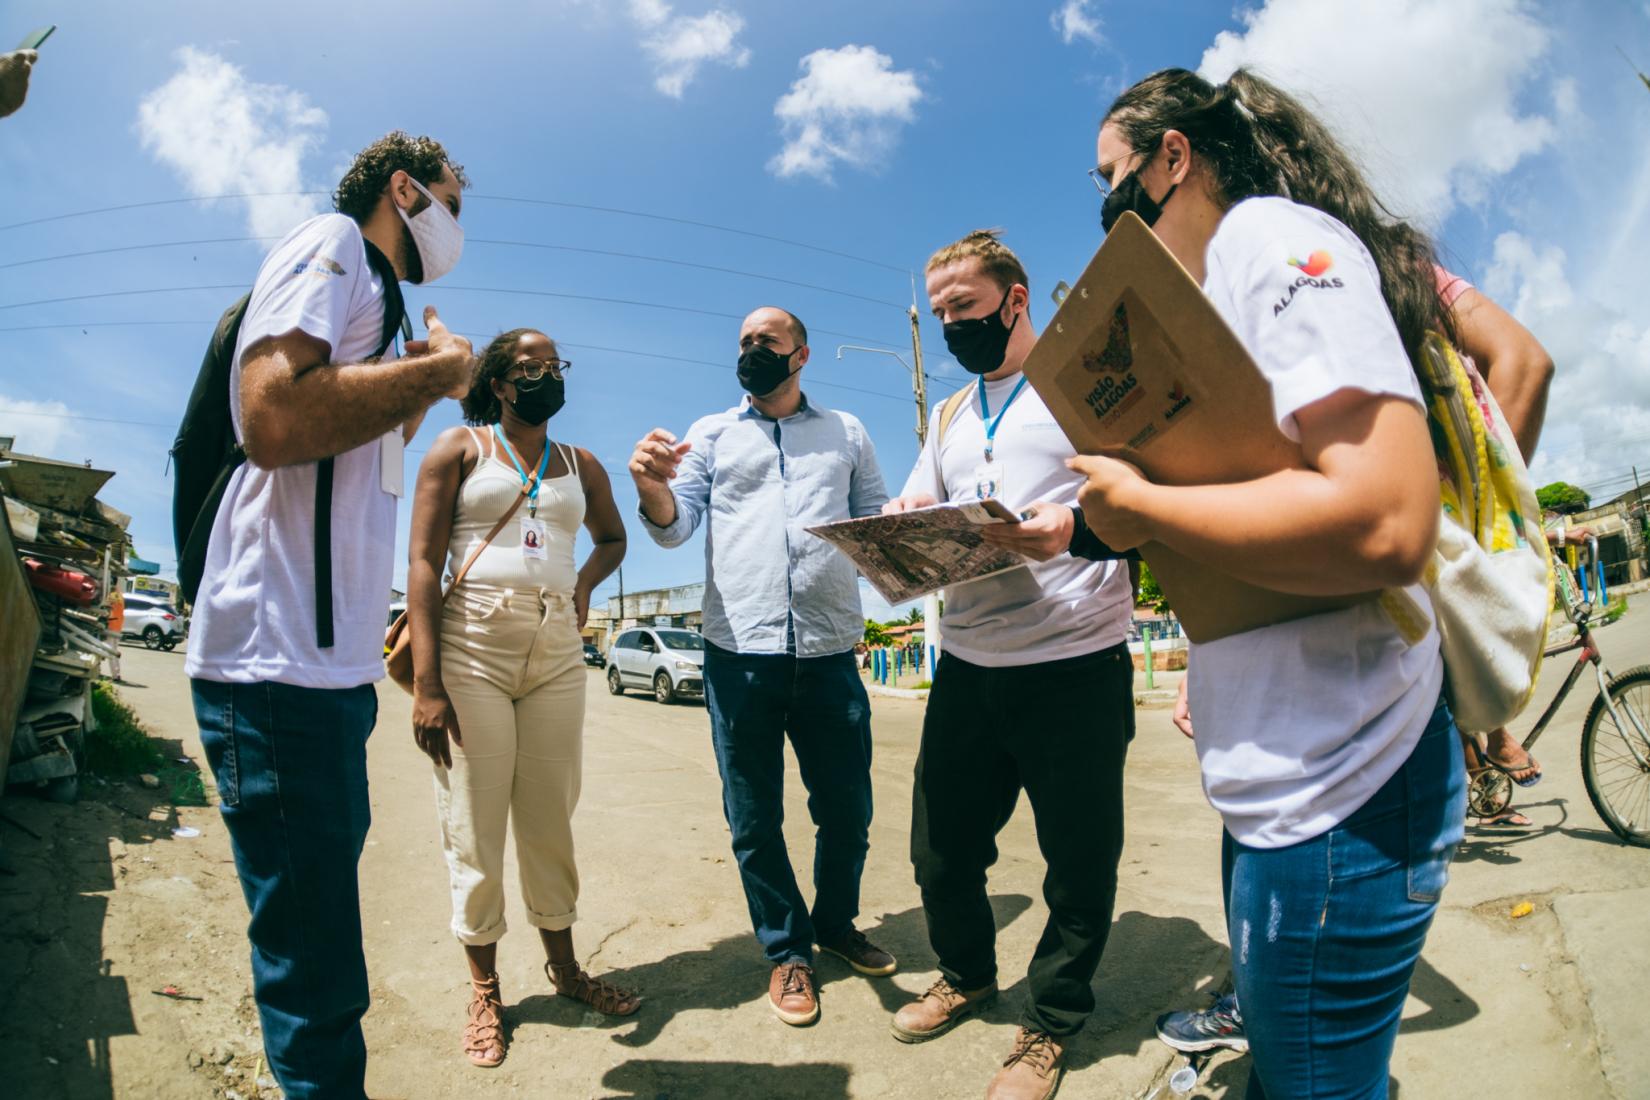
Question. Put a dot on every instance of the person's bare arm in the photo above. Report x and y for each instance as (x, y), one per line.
(1515, 366)
(1363, 516)
(410, 428)
(293, 411)
(606, 527)
(434, 497)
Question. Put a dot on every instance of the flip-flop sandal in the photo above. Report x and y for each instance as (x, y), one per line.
(1507, 819)
(1508, 769)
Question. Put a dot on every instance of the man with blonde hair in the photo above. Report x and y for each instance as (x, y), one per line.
(1033, 693)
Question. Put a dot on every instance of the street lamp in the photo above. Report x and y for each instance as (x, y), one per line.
(919, 385)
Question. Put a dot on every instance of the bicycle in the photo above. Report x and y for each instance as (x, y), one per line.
(1615, 753)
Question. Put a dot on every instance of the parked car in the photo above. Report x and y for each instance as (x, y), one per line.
(593, 656)
(154, 620)
(668, 660)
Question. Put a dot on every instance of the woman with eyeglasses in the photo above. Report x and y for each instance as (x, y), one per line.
(498, 695)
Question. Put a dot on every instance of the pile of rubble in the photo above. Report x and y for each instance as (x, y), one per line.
(63, 556)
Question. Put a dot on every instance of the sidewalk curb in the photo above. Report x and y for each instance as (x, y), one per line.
(897, 693)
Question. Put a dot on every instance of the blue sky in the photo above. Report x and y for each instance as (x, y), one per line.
(877, 130)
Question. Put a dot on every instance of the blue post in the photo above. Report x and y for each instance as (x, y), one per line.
(1603, 594)
(1586, 589)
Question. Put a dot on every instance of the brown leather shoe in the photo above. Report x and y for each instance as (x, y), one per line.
(484, 1031)
(1032, 1070)
(863, 955)
(939, 1010)
(792, 994)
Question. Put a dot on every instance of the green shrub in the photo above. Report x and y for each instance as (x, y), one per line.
(1617, 608)
(119, 745)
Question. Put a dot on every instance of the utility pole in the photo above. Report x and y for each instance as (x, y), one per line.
(621, 599)
(919, 381)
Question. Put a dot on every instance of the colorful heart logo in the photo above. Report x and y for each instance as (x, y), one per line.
(1315, 264)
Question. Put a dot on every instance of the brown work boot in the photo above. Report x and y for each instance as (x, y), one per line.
(1032, 1070)
(939, 1010)
(863, 955)
(792, 994)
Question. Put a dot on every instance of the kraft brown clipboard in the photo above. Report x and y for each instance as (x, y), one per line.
(1137, 365)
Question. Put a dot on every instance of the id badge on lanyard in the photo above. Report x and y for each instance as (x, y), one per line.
(532, 539)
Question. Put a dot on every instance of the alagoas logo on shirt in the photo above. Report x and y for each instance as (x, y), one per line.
(319, 265)
(1312, 270)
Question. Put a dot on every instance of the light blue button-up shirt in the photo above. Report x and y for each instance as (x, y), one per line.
(758, 484)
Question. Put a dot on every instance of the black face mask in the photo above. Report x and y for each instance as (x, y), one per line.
(538, 401)
(981, 343)
(763, 370)
(1131, 195)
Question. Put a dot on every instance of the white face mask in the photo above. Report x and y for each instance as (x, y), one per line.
(439, 237)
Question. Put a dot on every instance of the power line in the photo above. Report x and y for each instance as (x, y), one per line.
(485, 198)
(482, 241)
(468, 289)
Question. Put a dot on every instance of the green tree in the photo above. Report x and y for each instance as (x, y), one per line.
(876, 633)
(913, 617)
(1151, 593)
(1563, 498)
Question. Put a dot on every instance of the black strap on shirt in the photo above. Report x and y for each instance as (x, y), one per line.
(1087, 545)
(394, 309)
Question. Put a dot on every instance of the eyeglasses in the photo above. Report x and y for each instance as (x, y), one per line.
(1101, 183)
(534, 369)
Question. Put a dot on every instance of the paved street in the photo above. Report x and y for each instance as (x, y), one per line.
(1548, 1005)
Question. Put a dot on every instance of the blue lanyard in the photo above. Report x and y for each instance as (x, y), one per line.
(990, 422)
(531, 488)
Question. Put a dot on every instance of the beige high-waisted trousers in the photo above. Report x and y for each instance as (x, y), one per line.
(512, 663)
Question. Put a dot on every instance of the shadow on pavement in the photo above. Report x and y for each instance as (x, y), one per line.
(732, 972)
(649, 1079)
(1152, 965)
(53, 908)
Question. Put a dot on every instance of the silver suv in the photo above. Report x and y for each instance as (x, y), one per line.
(153, 618)
(668, 660)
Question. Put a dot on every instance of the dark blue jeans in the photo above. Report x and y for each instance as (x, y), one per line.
(1325, 933)
(291, 770)
(755, 700)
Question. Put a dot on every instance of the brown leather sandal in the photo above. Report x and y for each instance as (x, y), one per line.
(484, 1033)
(571, 980)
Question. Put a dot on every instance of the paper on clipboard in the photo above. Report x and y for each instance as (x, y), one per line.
(1137, 365)
(910, 554)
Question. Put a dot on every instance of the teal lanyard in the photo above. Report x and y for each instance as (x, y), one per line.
(531, 488)
(990, 422)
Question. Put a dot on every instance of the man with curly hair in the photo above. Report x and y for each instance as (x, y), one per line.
(283, 657)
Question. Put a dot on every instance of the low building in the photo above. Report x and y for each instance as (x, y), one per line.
(680, 606)
(1619, 525)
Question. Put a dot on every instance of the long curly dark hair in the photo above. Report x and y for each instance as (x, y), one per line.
(481, 405)
(422, 158)
(1258, 140)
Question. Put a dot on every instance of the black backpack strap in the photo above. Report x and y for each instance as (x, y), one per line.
(395, 308)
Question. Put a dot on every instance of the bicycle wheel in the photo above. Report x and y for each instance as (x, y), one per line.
(1618, 781)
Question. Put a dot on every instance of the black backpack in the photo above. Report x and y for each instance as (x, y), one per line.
(206, 454)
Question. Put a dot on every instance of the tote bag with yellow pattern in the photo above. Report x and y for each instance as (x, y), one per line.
(1491, 576)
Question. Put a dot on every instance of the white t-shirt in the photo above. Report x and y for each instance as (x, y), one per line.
(1298, 724)
(255, 614)
(1047, 611)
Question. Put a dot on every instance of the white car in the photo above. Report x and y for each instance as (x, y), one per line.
(152, 618)
(669, 660)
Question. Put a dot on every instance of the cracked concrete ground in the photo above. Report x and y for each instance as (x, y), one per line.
(108, 906)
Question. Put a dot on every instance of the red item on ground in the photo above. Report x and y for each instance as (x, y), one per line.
(65, 584)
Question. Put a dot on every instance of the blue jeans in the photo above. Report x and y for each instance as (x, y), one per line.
(755, 700)
(1325, 933)
(291, 769)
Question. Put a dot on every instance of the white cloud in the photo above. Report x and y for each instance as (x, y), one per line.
(40, 427)
(1598, 414)
(847, 107)
(223, 134)
(680, 44)
(1433, 122)
(1076, 19)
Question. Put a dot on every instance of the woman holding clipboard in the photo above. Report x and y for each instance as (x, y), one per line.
(1326, 743)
